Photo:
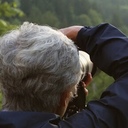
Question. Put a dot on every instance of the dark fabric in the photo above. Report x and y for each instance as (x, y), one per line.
(108, 48)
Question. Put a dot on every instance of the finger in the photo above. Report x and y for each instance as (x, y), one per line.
(88, 79)
(85, 89)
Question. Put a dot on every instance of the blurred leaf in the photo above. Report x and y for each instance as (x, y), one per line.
(3, 23)
(9, 12)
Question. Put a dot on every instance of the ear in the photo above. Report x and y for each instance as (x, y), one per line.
(65, 98)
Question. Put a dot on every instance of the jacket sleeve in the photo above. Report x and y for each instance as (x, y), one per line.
(108, 49)
(107, 46)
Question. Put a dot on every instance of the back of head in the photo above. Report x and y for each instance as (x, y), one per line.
(37, 63)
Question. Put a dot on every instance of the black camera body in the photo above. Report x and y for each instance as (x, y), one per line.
(78, 103)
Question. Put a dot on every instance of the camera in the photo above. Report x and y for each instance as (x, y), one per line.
(78, 103)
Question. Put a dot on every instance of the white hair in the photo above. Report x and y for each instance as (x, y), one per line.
(37, 64)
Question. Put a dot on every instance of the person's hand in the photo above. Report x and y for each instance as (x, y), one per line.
(71, 32)
(87, 82)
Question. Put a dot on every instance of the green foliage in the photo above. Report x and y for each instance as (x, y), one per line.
(95, 17)
(66, 13)
(63, 13)
(113, 12)
(8, 15)
(5, 26)
(100, 82)
(83, 19)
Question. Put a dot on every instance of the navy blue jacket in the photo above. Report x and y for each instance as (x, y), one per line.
(108, 48)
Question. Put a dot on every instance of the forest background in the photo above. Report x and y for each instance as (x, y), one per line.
(63, 13)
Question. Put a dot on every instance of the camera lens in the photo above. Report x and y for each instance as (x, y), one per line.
(85, 63)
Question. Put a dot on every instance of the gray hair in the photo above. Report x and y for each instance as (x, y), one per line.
(37, 64)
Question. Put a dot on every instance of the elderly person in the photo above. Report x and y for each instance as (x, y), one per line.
(40, 70)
